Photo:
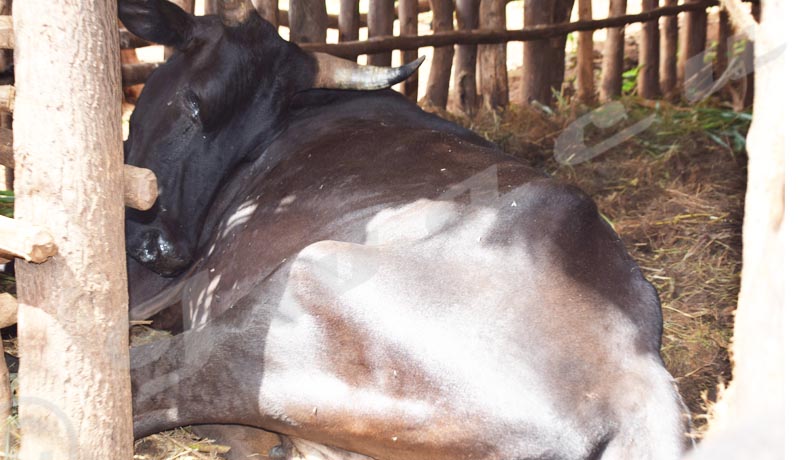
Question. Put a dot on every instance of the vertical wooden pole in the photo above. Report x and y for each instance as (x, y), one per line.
(723, 35)
(308, 21)
(585, 70)
(492, 58)
(348, 20)
(379, 23)
(466, 59)
(535, 56)
(613, 54)
(647, 79)
(668, 54)
(268, 9)
(211, 7)
(442, 62)
(408, 10)
(692, 40)
(75, 395)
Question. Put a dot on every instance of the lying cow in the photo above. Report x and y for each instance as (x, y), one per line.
(364, 277)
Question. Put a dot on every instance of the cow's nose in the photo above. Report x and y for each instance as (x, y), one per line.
(160, 254)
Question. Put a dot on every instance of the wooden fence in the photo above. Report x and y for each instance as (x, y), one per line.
(470, 36)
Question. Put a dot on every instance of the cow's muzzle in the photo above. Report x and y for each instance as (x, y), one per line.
(158, 253)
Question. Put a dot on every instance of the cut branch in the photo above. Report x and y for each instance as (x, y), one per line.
(141, 187)
(7, 97)
(20, 239)
(6, 33)
(8, 311)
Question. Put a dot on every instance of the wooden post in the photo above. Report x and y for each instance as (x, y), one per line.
(379, 23)
(753, 405)
(308, 21)
(492, 58)
(442, 62)
(407, 14)
(692, 40)
(613, 54)
(723, 35)
(211, 7)
(466, 59)
(348, 21)
(585, 66)
(647, 80)
(668, 54)
(268, 9)
(535, 56)
(75, 395)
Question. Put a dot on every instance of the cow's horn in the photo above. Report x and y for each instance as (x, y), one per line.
(338, 73)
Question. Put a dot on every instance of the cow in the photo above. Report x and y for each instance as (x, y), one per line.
(369, 280)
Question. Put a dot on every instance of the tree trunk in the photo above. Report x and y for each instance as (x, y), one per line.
(585, 67)
(692, 39)
(75, 395)
(668, 54)
(308, 21)
(466, 59)
(492, 58)
(407, 15)
(442, 62)
(348, 21)
(647, 80)
(268, 9)
(723, 34)
(749, 421)
(613, 55)
(379, 22)
(543, 60)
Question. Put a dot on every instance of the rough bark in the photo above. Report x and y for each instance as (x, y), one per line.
(613, 54)
(585, 67)
(749, 418)
(543, 60)
(442, 62)
(692, 40)
(668, 54)
(407, 13)
(75, 396)
(466, 59)
(268, 9)
(379, 23)
(348, 20)
(307, 21)
(647, 80)
(492, 58)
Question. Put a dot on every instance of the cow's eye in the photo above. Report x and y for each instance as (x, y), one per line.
(193, 105)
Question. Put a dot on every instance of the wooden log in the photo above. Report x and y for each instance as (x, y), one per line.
(74, 308)
(483, 36)
(6, 32)
(723, 35)
(211, 7)
(407, 15)
(584, 80)
(492, 58)
(8, 310)
(268, 9)
(692, 39)
(141, 187)
(6, 148)
(379, 24)
(21, 239)
(348, 20)
(307, 21)
(466, 59)
(647, 83)
(536, 58)
(668, 54)
(442, 62)
(613, 54)
(7, 94)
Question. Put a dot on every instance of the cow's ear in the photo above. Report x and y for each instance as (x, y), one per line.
(158, 21)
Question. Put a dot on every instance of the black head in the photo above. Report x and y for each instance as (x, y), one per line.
(215, 104)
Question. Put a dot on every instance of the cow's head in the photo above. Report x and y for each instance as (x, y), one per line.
(215, 104)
